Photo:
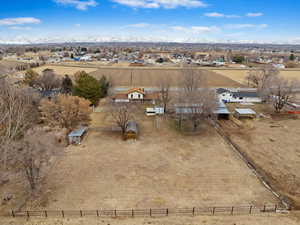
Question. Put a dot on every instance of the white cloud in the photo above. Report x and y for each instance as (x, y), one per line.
(167, 4)
(244, 26)
(196, 29)
(19, 21)
(20, 28)
(254, 14)
(77, 25)
(139, 25)
(220, 15)
(79, 4)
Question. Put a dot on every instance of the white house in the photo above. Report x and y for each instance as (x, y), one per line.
(136, 94)
(228, 96)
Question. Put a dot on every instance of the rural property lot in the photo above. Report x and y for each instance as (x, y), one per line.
(162, 168)
(274, 146)
(239, 75)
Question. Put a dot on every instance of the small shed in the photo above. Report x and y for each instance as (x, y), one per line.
(221, 111)
(131, 130)
(244, 113)
(76, 136)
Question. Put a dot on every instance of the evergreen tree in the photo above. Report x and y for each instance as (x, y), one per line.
(87, 87)
(104, 86)
(67, 85)
(292, 57)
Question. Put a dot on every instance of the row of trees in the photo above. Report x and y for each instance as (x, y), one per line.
(84, 86)
(272, 87)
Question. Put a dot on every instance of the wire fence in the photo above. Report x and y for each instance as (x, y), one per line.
(240, 210)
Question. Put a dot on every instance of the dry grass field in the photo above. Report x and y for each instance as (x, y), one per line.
(265, 219)
(162, 168)
(139, 77)
(273, 145)
(240, 75)
(149, 77)
(62, 70)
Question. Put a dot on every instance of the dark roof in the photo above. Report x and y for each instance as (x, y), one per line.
(49, 93)
(249, 94)
(222, 90)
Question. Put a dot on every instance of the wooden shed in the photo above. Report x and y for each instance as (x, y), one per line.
(76, 136)
(131, 130)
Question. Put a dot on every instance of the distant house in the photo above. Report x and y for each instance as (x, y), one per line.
(131, 130)
(238, 96)
(136, 95)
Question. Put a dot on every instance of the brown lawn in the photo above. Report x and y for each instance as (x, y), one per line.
(163, 168)
(273, 144)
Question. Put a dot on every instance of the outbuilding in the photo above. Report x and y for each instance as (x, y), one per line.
(131, 130)
(244, 113)
(222, 112)
(76, 136)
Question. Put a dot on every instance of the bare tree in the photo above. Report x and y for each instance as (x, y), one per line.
(65, 111)
(262, 78)
(164, 92)
(48, 81)
(33, 154)
(121, 114)
(196, 101)
(281, 92)
(192, 79)
(18, 109)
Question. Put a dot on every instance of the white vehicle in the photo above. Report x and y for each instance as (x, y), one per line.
(155, 111)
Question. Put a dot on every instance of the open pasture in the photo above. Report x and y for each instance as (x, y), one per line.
(163, 168)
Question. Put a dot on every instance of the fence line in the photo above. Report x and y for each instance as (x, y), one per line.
(195, 211)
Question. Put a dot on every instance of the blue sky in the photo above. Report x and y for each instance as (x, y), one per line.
(270, 21)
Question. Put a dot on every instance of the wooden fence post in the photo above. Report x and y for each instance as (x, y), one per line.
(214, 209)
(275, 208)
(250, 210)
(27, 214)
(194, 211)
(264, 208)
(232, 210)
(97, 212)
(167, 212)
(150, 212)
(46, 214)
(13, 213)
(81, 213)
(132, 213)
(115, 213)
(63, 213)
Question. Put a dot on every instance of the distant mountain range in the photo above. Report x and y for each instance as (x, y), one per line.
(22, 40)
